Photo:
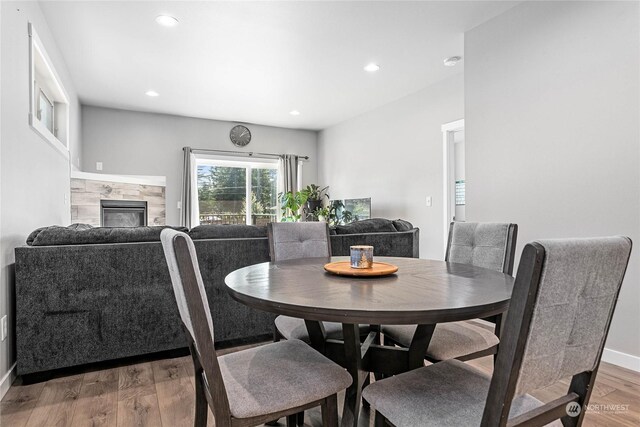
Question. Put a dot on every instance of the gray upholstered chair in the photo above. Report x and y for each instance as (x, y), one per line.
(563, 300)
(489, 245)
(294, 240)
(253, 386)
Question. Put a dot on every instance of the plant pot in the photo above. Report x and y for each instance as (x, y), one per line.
(313, 205)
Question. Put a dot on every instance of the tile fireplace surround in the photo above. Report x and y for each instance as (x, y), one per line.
(87, 190)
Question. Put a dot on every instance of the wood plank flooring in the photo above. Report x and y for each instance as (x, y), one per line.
(160, 393)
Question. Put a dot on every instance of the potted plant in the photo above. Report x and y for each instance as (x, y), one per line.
(314, 197)
(290, 203)
(322, 214)
(337, 214)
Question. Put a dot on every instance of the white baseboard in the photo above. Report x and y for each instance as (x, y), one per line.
(7, 380)
(625, 360)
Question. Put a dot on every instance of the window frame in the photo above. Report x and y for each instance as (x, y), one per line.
(59, 140)
(232, 162)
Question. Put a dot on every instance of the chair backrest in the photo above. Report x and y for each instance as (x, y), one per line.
(193, 306)
(294, 240)
(563, 300)
(488, 245)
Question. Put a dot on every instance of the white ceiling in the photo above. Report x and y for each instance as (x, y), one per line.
(256, 61)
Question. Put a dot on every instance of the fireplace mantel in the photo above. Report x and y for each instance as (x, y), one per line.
(160, 181)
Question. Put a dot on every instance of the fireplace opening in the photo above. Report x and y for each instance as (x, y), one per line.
(123, 213)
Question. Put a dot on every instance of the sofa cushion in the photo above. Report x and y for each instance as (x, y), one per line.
(402, 225)
(227, 231)
(374, 225)
(76, 226)
(77, 235)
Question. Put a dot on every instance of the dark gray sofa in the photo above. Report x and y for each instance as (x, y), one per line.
(79, 302)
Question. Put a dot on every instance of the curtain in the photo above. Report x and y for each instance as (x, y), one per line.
(289, 172)
(288, 176)
(189, 195)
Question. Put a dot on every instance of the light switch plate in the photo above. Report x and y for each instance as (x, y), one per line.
(429, 201)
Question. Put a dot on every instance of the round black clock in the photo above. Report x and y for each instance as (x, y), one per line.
(240, 135)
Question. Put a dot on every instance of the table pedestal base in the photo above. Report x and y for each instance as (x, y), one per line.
(362, 357)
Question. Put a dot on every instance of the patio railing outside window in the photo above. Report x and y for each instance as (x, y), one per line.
(216, 218)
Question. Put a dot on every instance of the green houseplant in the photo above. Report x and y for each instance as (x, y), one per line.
(315, 196)
(309, 199)
(322, 214)
(290, 203)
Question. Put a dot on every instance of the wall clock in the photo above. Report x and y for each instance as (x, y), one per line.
(240, 135)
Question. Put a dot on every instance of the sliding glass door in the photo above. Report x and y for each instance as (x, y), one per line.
(236, 191)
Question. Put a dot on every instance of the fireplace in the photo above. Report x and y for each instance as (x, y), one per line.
(123, 213)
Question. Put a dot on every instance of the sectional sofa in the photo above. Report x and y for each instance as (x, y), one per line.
(86, 294)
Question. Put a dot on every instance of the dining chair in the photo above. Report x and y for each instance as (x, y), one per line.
(253, 386)
(563, 300)
(295, 240)
(488, 245)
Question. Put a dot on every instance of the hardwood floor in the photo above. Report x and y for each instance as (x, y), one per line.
(161, 393)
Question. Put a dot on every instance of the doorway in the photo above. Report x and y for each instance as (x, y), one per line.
(453, 141)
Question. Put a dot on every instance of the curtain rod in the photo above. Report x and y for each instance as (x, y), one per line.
(246, 153)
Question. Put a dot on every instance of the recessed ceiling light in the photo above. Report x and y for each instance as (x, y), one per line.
(372, 68)
(167, 20)
(152, 93)
(294, 112)
(452, 60)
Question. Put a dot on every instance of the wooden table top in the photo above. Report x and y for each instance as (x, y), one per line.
(421, 292)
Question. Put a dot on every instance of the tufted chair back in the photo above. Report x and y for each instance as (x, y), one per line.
(293, 240)
(488, 245)
(563, 300)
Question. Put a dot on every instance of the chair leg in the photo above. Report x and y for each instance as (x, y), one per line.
(300, 418)
(383, 341)
(330, 411)
(498, 331)
(202, 407)
(291, 420)
(367, 381)
(276, 334)
(379, 420)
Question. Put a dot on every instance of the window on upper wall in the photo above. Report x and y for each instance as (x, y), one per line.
(49, 103)
(237, 191)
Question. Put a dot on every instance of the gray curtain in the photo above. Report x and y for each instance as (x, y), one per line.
(289, 172)
(186, 212)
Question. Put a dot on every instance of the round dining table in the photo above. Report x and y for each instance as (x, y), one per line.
(422, 292)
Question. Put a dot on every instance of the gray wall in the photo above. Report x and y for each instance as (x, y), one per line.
(553, 141)
(136, 143)
(393, 154)
(34, 175)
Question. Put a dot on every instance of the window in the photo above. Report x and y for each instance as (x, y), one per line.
(45, 112)
(49, 103)
(460, 193)
(236, 191)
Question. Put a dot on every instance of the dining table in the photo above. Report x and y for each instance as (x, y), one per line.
(422, 292)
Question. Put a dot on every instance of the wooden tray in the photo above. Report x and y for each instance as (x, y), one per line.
(343, 268)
